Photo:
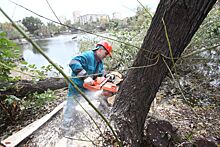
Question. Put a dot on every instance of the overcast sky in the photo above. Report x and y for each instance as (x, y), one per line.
(65, 8)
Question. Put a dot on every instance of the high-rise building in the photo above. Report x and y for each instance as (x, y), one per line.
(76, 15)
(116, 15)
(88, 18)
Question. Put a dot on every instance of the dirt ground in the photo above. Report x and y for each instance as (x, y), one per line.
(51, 134)
(191, 122)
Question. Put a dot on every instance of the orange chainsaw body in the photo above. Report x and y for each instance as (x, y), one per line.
(101, 83)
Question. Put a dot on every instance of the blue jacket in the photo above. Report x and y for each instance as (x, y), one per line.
(87, 61)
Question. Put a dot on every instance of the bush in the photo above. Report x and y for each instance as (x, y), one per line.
(9, 51)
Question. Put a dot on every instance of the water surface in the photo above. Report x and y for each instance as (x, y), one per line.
(59, 49)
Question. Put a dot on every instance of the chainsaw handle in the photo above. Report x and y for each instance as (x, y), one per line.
(104, 81)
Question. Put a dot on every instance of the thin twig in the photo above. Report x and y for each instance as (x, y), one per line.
(145, 9)
(169, 45)
(11, 68)
(78, 139)
(200, 51)
(89, 139)
(179, 86)
(90, 117)
(53, 11)
(145, 66)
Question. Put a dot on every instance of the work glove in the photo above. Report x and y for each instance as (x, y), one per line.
(89, 81)
(110, 76)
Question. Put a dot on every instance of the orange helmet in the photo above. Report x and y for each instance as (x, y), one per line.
(106, 45)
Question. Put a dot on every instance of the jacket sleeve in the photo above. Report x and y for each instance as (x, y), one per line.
(77, 65)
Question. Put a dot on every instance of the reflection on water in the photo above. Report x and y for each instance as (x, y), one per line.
(60, 50)
(43, 44)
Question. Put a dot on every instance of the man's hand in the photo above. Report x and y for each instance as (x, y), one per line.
(89, 81)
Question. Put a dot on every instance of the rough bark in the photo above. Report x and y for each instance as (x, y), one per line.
(24, 87)
(182, 19)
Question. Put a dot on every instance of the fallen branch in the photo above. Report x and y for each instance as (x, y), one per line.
(25, 87)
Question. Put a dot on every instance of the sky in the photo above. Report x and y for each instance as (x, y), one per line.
(65, 8)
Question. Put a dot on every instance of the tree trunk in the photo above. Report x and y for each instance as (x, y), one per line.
(182, 19)
(24, 87)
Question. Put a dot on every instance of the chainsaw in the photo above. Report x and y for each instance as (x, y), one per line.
(101, 83)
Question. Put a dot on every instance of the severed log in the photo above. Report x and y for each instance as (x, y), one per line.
(24, 87)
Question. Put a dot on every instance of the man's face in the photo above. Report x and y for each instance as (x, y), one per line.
(102, 53)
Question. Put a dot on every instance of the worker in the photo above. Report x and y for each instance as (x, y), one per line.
(84, 66)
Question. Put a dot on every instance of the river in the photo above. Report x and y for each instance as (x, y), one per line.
(59, 49)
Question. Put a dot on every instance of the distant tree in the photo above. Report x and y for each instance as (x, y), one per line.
(32, 24)
(11, 32)
(141, 20)
(42, 31)
(66, 22)
(52, 28)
